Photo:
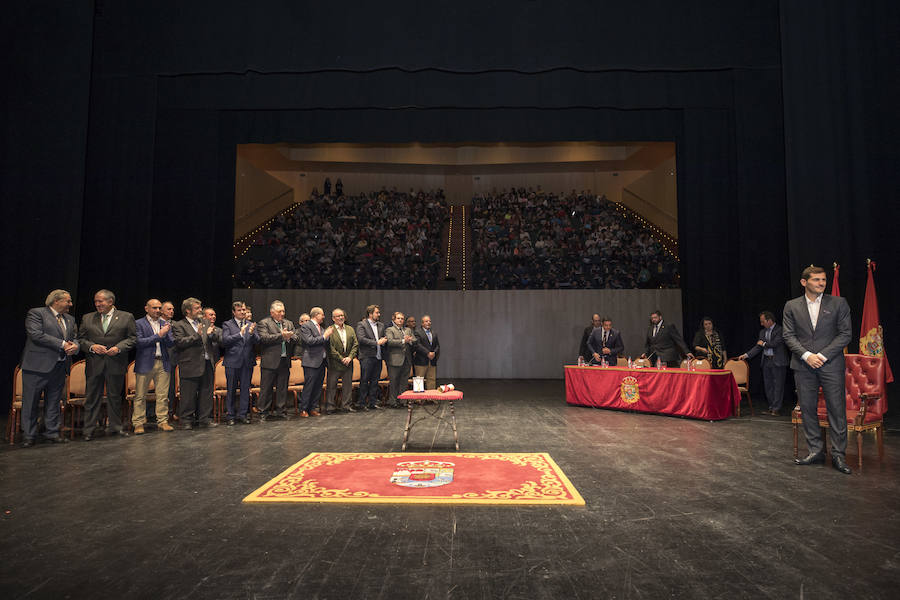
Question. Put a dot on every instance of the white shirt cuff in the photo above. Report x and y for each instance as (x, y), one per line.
(804, 356)
(822, 356)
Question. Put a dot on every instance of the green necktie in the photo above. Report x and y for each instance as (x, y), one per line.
(105, 322)
(283, 343)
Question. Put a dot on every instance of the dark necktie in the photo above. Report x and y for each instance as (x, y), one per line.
(62, 323)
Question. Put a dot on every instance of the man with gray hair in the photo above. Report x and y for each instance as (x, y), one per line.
(315, 342)
(106, 336)
(49, 346)
(277, 338)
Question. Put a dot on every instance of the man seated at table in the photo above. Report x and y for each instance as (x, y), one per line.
(605, 342)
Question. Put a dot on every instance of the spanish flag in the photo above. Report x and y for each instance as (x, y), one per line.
(835, 286)
(871, 340)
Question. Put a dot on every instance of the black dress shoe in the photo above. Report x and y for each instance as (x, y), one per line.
(187, 427)
(812, 459)
(230, 422)
(840, 464)
(246, 420)
(263, 418)
(88, 437)
(350, 409)
(377, 407)
(26, 443)
(58, 440)
(209, 424)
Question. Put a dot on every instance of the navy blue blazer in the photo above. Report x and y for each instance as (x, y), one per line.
(238, 348)
(613, 342)
(776, 344)
(145, 354)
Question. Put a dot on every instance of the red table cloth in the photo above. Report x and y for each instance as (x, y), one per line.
(712, 395)
(431, 395)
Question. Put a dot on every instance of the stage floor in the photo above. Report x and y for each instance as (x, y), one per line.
(674, 508)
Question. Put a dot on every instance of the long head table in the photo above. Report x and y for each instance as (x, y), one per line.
(709, 394)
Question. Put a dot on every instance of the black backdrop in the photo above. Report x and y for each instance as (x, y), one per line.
(118, 150)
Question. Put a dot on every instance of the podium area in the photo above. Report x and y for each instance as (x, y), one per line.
(675, 507)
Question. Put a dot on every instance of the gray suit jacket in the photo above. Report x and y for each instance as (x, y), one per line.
(122, 333)
(191, 347)
(43, 346)
(832, 332)
(270, 342)
(314, 345)
(398, 351)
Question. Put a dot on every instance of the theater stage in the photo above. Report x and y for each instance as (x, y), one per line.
(674, 508)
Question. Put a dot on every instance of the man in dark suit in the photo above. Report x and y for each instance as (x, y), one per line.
(49, 345)
(342, 349)
(816, 329)
(399, 344)
(664, 342)
(370, 335)
(583, 350)
(427, 352)
(151, 363)
(168, 314)
(238, 338)
(106, 337)
(209, 314)
(315, 343)
(773, 362)
(194, 337)
(605, 342)
(277, 338)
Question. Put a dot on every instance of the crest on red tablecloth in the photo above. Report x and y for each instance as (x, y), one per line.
(630, 393)
(423, 473)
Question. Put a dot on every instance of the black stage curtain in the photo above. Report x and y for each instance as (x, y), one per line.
(125, 121)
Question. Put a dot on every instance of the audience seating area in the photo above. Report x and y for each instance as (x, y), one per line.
(379, 240)
(537, 240)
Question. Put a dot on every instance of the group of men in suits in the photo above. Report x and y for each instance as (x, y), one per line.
(195, 344)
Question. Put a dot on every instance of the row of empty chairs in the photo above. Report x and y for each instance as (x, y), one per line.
(74, 394)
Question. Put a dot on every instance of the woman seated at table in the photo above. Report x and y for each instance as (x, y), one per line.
(708, 344)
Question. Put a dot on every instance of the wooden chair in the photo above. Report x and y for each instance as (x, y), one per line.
(384, 381)
(357, 375)
(641, 362)
(14, 424)
(255, 375)
(175, 380)
(741, 372)
(220, 390)
(866, 404)
(295, 382)
(697, 363)
(621, 362)
(76, 387)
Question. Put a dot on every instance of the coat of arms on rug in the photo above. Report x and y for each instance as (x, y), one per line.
(422, 473)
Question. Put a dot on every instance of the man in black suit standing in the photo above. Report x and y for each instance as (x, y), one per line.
(606, 342)
(50, 343)
(277, 338)
(816, 329)
(106, 337)
(773, 362)
(583, 350)
(371, 339)
(194, 339)
(427, 352)
(664, 342)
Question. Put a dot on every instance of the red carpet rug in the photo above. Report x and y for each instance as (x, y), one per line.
(436, 478)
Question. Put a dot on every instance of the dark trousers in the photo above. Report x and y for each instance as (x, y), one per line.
(313, 378)
(344, 374)
(237, 377)
(369, 372)
(94, 397)
(808, 381)
(49, 384)
(773, 382)
(277, 378)
(196, 397)
(398, 382)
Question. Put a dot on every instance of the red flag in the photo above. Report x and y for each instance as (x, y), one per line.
(835, 288)
(871, 340)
